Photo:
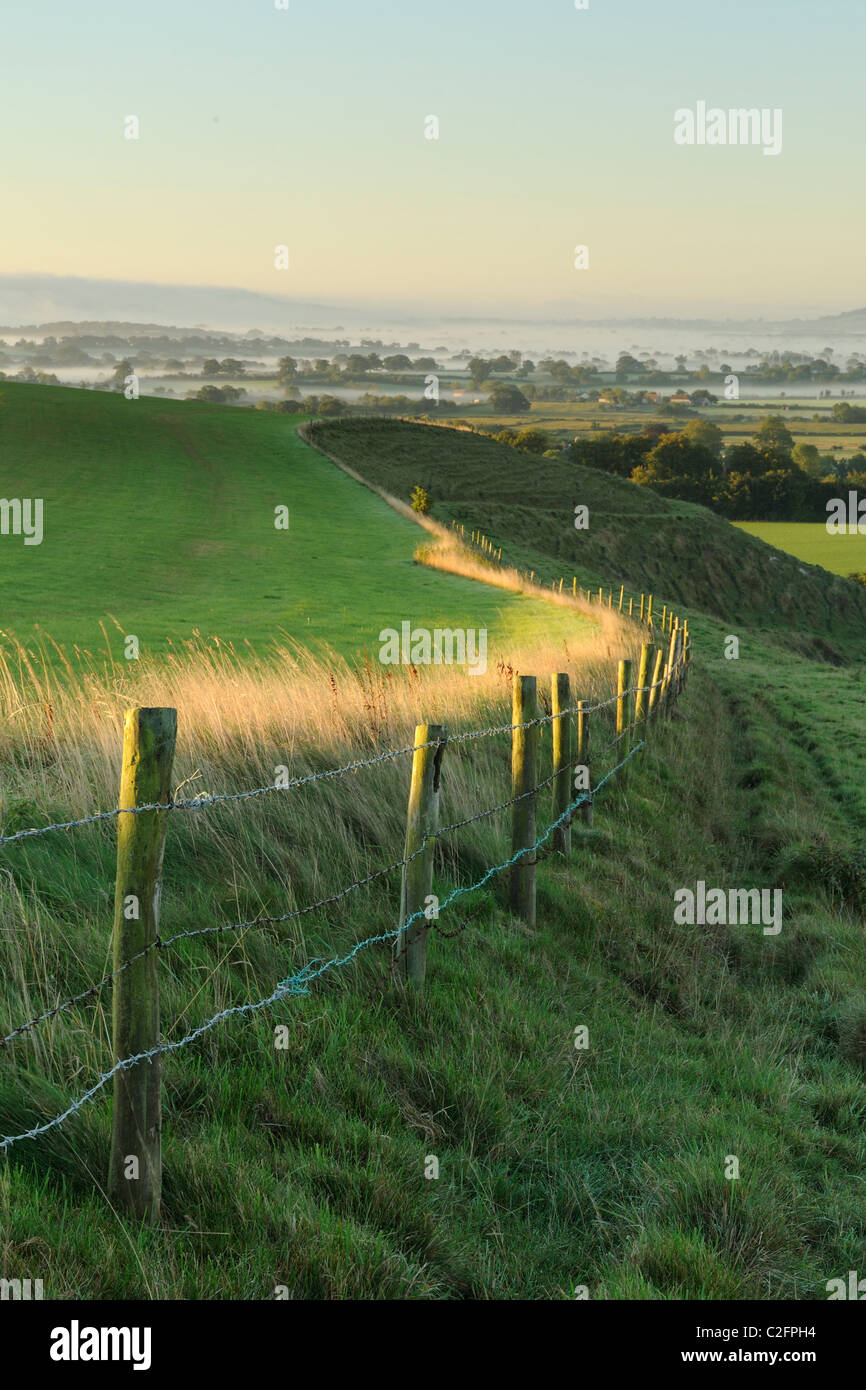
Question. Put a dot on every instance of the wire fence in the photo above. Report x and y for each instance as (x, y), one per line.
(666, 687)
(200, 803)
(299, 983)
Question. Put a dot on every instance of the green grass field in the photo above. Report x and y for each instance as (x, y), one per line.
(603, 1167)
(160, 515)
(811, 541)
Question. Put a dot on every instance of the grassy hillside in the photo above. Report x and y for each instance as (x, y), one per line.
(305, 1167)
(688, 555)
(159, 521)
(558, 1167)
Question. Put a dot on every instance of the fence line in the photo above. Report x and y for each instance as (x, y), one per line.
(299, 983)
(162, 943)
(198, 803)
(135, 1006)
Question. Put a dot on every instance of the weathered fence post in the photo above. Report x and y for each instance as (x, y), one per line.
(640, 700)
(560, 699)
(649, 611)
(678, 680)
(524, 768)
(621, 595)
(623, 741)
(135, 1164)
(582, 759)
(631, 606)
(655, 689)
(422, 823)
(669, 670)
(642, 605)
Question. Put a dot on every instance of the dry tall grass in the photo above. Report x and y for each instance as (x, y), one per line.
(240, 716)
(239, 713)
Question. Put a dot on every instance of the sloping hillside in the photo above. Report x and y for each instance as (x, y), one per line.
(687, 554)
(159, 520)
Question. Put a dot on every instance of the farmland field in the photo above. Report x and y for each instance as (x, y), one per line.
(811, 541)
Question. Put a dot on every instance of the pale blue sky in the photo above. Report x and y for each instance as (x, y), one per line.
(260, 126)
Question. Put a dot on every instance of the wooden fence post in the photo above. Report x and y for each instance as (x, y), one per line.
(640, 700)
(582, 758)
(655, 689)
(631, 606)
(669, 669)
(649, 611)
(422, 823)
(678, 667)
(623, 741)
(642, 605)
(621, 594)
(135, 1163)
(524, 778)
(560, 700)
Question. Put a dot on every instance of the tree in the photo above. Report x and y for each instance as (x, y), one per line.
(119, 375)
(287, 370)
(626, 365)
(479, 371)
(508, 398)
(397, 362)
(705, 433)
(532, 440)
(774, 439)
(806, 457)
(210, 367)
(746, 461)
(503, 364)
(420, 499)
(675, 456)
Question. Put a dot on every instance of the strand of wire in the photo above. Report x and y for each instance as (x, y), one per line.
(300, 982)
(160, 943)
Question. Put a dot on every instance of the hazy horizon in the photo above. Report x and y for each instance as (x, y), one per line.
(42, 299)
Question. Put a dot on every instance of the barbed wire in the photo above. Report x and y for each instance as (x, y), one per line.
(199, 803)
(160, 943)
(300, 982)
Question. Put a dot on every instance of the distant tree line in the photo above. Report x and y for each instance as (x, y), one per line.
(767, 478)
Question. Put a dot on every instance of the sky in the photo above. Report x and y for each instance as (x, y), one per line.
(305, 127)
